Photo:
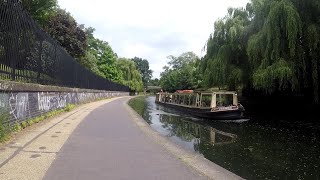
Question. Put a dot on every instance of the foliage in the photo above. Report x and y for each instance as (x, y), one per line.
(4, 126)
(93, 53)
(102, 57)
(143, 67)
(182, 73)
(64, 28)
(154, 82)
(129, 75)
(24, 124)
(225, 63)
(139, 104)
(41, 10)
(16, 127)
(271, 46)
(90, 62)
(69, 107)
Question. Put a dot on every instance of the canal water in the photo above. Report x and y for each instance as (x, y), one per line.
(250, 148)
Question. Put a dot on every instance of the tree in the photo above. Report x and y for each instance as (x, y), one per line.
(129, 75)
(143, 67)
(63, 28)
(284, 52)
(182, 73)
(271, 46)
(154, 82)
(41, 10)
(225, 65)
(104, 56)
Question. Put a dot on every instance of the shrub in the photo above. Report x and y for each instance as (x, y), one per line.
(4, 127)
(16, 127)
(24, 124)
(69, 107)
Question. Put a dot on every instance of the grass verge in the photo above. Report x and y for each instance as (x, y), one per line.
(139, 104)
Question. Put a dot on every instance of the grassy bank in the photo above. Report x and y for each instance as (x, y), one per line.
(138, 104)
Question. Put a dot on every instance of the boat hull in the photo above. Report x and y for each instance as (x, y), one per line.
(206, 113)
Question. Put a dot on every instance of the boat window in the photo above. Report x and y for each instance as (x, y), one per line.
(224, 100)
(206, 100)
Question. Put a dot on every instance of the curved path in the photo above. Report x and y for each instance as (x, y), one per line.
(107, 145)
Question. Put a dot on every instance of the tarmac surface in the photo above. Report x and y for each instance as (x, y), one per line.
(101, 140)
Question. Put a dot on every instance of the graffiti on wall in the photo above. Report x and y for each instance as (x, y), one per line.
(51, 101)
(22, 106)
(3, 100)
(4, 86)
(18, 104)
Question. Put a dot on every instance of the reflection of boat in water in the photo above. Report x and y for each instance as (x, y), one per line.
(220, 138)
(214, 105)
(195, 131)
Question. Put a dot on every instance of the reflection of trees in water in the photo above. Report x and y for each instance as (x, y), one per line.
(177, 127)
(140, 105)
(257, 152)
(194, 132)
(264, 153)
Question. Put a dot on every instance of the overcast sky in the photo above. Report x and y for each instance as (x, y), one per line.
(151, 29)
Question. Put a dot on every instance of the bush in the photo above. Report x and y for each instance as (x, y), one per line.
(16, 127)
(30, 122)
(69, 107)
(24, 124)
(4, 127)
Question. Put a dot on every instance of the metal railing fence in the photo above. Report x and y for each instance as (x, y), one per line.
(28, 54)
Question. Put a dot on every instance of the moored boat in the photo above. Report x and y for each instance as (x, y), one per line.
(220, 105)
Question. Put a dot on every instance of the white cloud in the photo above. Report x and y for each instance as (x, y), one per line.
(151, 29)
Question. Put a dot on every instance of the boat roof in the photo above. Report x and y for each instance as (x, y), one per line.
(205, 92)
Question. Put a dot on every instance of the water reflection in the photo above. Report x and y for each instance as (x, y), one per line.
(249, 149)
(194, 132)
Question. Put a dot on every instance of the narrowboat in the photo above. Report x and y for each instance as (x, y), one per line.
(220, 105)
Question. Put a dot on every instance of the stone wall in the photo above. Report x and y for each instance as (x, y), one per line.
(19, 102)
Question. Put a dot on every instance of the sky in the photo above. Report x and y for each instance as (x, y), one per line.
(150, 29)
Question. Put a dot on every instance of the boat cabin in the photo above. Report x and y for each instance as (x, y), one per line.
(216, 101)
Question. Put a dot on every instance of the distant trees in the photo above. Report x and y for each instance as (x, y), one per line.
(129, 74)
(154, 82)
(143, 67)
(181, 72)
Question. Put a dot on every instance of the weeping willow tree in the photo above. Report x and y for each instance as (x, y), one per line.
(284, 52)
(272, 46)
(129, 74)
(273, 50)
(310, 46)
(225, 64)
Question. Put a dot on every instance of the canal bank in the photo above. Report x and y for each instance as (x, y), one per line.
(253, 149)
(193, 160)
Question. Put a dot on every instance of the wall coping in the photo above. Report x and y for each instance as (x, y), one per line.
(12, 86)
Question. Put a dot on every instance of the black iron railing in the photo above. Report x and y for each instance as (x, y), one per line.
(28, 54)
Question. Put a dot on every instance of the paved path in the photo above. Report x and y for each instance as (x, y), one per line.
(107, 144)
